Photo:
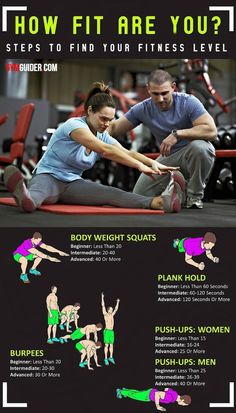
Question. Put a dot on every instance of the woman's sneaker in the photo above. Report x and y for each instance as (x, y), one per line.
(173, 195)
(14, 182)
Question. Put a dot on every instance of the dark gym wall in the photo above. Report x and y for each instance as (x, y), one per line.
(59, 87)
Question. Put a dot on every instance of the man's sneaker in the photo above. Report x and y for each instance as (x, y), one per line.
(34, 272)
(24, 278)
(106, 362)
(62, 340)
(61, 326)
(111, 359)
(118, 394)
(175, 242)
(173, 196)
(55, 340)
(194, 203)
(49, 341)
(14, 182)
(81, 365)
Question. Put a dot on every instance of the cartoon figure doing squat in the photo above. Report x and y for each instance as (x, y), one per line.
(28, 251)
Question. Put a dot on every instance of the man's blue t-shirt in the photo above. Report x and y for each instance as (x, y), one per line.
(183, 111)
(66, 159)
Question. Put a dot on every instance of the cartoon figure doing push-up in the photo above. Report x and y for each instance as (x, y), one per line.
(28, 251)
(153, 395)
(193, 247)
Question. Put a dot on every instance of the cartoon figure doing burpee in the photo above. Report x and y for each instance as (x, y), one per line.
(85, 338)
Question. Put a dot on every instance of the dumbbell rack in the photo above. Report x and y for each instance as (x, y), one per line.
(221, 156)
(225, 145)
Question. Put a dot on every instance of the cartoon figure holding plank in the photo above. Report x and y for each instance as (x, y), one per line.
(194, 247)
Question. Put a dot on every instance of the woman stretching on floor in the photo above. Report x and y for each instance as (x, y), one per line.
(75, 147)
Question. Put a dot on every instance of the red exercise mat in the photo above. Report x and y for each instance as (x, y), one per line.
(87, 209)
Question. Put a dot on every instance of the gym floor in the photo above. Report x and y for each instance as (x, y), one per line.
(220, 213)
